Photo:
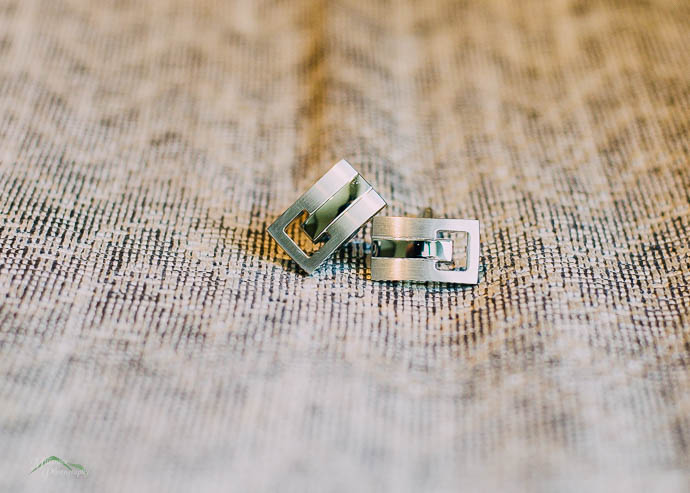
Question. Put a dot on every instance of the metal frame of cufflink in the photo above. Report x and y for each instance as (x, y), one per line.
(413, 249)
(337, 206)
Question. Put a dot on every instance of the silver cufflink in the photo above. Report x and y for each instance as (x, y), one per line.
(336, 207)
(419, 249)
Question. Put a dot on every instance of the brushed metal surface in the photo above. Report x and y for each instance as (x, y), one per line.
(424, 230)
(337, 206)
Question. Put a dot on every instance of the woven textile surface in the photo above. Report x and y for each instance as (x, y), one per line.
(153, 332)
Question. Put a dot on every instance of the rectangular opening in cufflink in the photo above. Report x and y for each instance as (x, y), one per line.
(460, 240)
(295, 230)
(439, 249)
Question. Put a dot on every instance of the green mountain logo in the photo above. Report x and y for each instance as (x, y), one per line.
(69, 465)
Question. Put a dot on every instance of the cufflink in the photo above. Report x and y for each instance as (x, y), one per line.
(336, 207)
(419, 249)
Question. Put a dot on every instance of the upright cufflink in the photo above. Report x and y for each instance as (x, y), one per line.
(419, 249)
(336, 206)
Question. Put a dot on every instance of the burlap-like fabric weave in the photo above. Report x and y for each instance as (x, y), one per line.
(152, 331)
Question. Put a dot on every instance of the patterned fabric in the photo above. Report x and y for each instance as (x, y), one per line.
(152, 332)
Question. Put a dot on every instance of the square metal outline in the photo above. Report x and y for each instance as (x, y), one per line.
(341, 230)
(420, 269)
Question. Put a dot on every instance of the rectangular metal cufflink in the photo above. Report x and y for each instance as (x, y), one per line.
(337, 206)
(411, 249)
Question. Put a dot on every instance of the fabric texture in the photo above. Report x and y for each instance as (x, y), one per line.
(152, 331)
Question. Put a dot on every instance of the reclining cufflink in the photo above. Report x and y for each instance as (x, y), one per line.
(419, 249)
(336, 206)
